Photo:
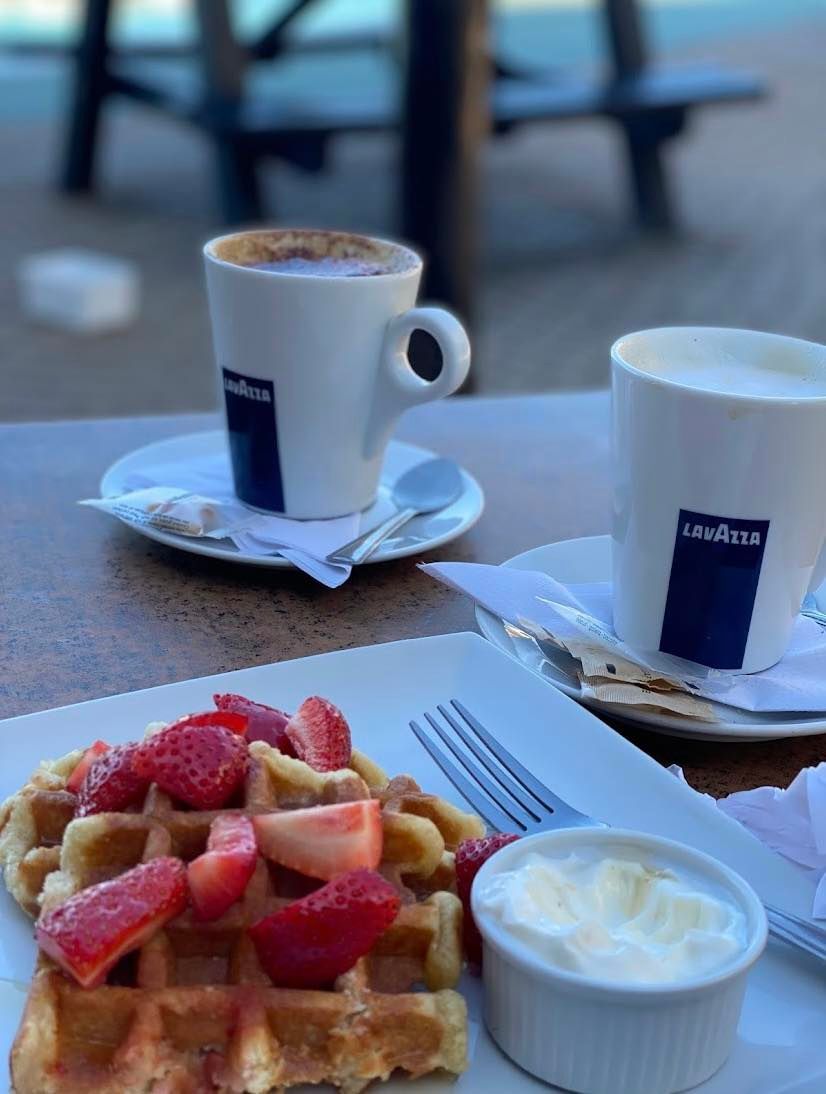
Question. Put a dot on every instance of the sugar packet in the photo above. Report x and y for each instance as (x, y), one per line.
(172, 510)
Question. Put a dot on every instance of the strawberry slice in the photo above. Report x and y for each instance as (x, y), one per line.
(234, 721)
(319, 733)
(470, 855)
(111, 783)
(265, 723)
(93, 929)
(75, 780)
(200, 765)
(219, 876)
(313, 940)
(324, 840)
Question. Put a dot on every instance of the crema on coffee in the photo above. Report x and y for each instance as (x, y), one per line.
(321, 266)
(314, 253)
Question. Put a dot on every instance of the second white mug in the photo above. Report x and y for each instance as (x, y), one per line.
(719, 450)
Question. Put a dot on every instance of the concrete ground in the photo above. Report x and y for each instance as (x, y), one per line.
(562, 273)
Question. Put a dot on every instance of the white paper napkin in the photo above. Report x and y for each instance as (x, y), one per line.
(306, 543)
(791, 822)
(797, 683)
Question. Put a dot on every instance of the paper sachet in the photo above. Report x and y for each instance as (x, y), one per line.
(173, 510)
(675, 702)
(606, 675)
(195, 497)
(578, 618)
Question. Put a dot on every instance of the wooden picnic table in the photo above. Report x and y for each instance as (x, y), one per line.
(88, 608)
(454, 91)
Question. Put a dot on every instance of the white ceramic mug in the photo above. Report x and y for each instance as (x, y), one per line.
(719, 458)
(313, 368)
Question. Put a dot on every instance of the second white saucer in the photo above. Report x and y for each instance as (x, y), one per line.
(589, 559)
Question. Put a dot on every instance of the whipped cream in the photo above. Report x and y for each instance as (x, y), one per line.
(615, 919)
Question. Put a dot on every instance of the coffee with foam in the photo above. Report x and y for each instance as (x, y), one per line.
(774, 372)
(308, 253)
(322, 266)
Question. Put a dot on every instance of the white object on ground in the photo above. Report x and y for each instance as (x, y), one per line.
(79, 290)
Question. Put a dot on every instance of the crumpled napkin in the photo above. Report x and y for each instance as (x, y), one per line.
(579, 618)
(306, 543)
(791, 822)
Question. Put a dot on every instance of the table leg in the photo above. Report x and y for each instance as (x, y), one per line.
(652, 194)
(87, 97)
(223, 63)
(236, 173)
(644, 135)
(445, 116)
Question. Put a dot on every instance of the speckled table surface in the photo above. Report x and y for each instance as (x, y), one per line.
(88, 608)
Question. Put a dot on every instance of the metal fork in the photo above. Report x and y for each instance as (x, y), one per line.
(510, 799)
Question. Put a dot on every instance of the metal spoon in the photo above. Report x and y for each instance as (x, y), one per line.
(811, 609)
(423, 489)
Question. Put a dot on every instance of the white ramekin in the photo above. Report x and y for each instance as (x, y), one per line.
(600, 1037)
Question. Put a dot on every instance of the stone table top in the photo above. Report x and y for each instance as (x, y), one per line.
(88, 608)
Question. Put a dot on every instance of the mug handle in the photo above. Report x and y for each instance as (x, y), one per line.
(397, 385)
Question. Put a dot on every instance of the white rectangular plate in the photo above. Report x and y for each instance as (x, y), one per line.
(380, 688)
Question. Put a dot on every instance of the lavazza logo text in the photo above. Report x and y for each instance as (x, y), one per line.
(721, 533)
(247, 391)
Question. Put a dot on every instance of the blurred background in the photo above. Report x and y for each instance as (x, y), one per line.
(572, 169)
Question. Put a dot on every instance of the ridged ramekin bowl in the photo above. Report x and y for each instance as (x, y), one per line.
(598, 1036)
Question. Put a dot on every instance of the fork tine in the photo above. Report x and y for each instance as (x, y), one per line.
(513, 809)
(482, 804)
(534, 787)
(507, 784)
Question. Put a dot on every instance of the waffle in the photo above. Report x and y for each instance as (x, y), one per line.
(192, 1010)
(32, 823)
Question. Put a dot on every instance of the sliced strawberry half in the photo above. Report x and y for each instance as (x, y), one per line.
(320, 735)
(200, 765)
(313, 940)
(265, 723)
(470, 855)
(219, 876)
(234, 721)
(324, 840)
(112, 782)
(93, 929)
(75, 780)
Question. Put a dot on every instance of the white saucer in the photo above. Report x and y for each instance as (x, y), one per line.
(589, 559)
(420, 534)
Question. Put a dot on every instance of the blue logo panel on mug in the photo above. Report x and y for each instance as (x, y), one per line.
(253, 440)
(715, 569)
